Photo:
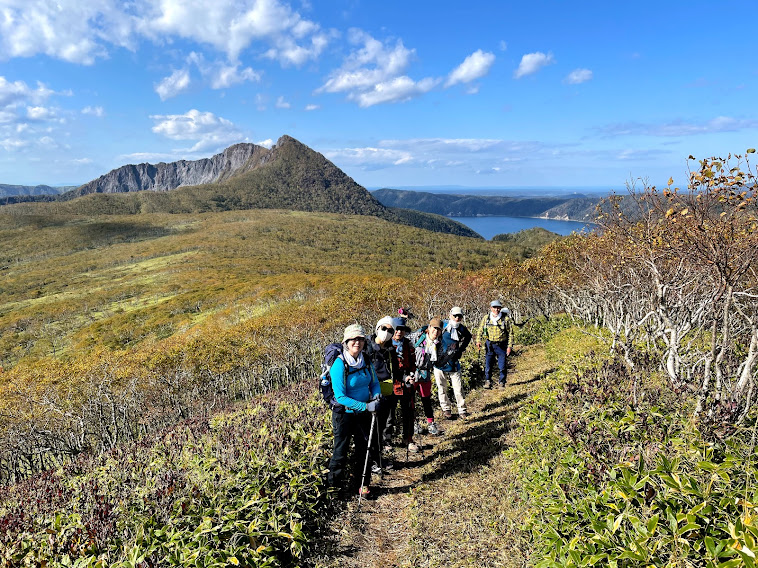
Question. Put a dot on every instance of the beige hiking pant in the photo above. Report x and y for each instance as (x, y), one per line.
(442, 382)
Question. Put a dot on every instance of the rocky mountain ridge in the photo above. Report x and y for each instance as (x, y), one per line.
(289, 176)
(163, 176)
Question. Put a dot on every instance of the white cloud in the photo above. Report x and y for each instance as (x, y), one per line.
(370, 157)
(227, 75)
(81, 32)
(147, 157)
(281, 103)
(446, 145)
(82, 161)
(629, 154)
(97, 111)
(680, 127)
(208, 130)
(399, 89)
(18, 91)
(261, 101)
(39, 113)
(26, 121)
(13, 144)
(372, 64)
(220, 74)
(532, 62)
(503, 46)
(174, 84)
(312, 107)
(267, 143)
(474, 67)
(288, 52)
(488, 171)
(375, 73)
(232, 25)
(578, 76)
(477, 155)
(70, 30)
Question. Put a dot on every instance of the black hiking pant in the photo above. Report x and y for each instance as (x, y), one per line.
(387, 412)
(349, 426)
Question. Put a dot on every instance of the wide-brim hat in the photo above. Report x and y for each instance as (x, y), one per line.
(495, 304)
(435, 322)
(353, 331)
(456, 311)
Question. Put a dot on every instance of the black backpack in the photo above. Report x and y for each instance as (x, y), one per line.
(331, 353)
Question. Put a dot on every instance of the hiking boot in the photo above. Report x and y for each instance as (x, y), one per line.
(501, 385)
(375, 469)
(433, 430)
(488, 384)
(389, 465)
(447, 415)
(412, 448)
(417, 428)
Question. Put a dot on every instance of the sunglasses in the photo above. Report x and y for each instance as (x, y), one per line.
(458, 316)
(357, 339)
(497, 307)
(385, 328)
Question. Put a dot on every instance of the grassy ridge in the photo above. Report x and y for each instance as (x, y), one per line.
(65, 277)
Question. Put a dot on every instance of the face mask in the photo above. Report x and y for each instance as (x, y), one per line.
(382, 336)
(454, 323)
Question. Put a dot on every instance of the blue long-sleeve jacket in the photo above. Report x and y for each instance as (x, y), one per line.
(455, 348)
(360, 387)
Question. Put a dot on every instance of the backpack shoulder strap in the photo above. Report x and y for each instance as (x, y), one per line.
(420, 340)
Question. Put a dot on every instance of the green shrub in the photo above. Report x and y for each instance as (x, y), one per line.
(617, 474)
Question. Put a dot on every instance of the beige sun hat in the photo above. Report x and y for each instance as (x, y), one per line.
(353, 331)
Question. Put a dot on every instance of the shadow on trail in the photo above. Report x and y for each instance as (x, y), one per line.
(475, 446)
(513, 401)
(536, 378)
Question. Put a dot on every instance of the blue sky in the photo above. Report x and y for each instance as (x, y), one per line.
(419, 93)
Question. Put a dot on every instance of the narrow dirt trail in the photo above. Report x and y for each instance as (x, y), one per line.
(455, 503)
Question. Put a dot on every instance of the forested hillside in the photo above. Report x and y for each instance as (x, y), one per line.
(186, 347)
(567, 208)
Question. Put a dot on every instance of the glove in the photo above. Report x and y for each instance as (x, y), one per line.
(375, 397)
(372, 405)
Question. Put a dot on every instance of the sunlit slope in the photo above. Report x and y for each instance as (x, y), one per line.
(70, 282)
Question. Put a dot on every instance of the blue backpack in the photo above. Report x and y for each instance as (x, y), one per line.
(332, 352)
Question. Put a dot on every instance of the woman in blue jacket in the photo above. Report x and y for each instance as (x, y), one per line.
(356, 387)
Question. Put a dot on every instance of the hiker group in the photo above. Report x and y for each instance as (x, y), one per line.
(367, 377)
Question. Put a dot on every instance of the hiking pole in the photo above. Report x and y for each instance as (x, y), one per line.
(412, 411)
(368, 452)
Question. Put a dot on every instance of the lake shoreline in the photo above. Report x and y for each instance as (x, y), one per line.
(482, 215)
(490, 225)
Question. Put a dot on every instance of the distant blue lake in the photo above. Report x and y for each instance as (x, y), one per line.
(488, 227)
